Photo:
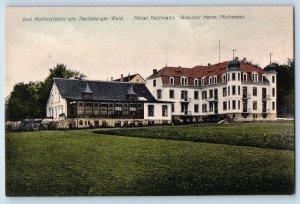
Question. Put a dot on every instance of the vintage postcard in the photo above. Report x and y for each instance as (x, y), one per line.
(122, 101)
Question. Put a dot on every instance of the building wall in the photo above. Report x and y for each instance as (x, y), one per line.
(137, 79)
(158, 116)
(238, 97)
(56, 105)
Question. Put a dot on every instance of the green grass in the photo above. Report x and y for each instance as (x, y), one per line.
(86, 163)
(265, 135)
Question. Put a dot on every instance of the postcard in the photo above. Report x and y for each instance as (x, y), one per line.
(149, 101)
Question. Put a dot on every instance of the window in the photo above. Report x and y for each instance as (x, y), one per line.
(233, 90)
(196, 108)
(228, 105)
(228, 92)
(254, 77)
(224, 78)
(184, 108)
(273, 79)
(184, 81)
(196, 82)
(225, 91)
(234, 104)
(118, 108)
(224, 105)
(211, 93)
(254, 91)
(154, 83)
(239, 104)
(171, 93)
(239, 90)
(254, 105)
(244, 77)
(184, 94)
(196, 94)
(171, 80)
(150, 110)
(164, 110)
(211, 107)
(273, 105)
(204, 94)
(215, 80)
(210, 81)
(233, 76)
(173, 107)
(239, 76)
(158, 94)
(204, 108)
(80, 122)
(203, 81)
(228, 77)
(273, 92)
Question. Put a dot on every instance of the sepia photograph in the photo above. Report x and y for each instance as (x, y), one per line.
(149, 101)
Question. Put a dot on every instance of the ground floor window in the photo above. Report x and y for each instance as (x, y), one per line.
(196, 108)
(224, 105)
(233, 104)
(173, 107)
(254, 105)
(164, 110)
(150, 110)
(204, 108)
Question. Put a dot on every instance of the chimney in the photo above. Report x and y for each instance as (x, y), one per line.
(122, 77)
(244, 60)
(154, 71)
(111, 78)
(208, 64)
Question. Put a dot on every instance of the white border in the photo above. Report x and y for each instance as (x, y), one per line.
(174, 199)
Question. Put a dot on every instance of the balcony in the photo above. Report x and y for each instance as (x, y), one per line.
(215, 98)
(186, 100)
(266, 97)
(266, 110)
(246, 96)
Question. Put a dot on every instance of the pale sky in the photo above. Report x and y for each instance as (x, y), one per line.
(108, 49)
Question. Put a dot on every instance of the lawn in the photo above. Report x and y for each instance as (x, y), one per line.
(83, 162)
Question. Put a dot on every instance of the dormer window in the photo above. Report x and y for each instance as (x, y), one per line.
(171, 81)
(196, 82)
(215, 79)
(244, 78)
(203, 81)
(184, 81)
(224, 78)
(254, 77)
(210, 81)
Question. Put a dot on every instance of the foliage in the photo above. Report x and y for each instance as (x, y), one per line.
(81, 162)
(29, 100)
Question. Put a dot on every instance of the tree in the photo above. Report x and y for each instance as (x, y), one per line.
(29, 100)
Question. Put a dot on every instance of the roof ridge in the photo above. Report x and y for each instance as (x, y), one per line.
(91, 80)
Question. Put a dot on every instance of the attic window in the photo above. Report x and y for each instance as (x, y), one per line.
(202, 81)
(196, 82)
(171, 80)
(184, 81)
(244, 78)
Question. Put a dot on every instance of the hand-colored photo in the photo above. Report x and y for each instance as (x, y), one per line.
(148, 101)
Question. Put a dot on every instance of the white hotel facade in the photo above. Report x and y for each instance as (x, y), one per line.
(235, 90)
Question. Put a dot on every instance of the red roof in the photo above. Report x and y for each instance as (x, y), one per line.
(201, 71)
